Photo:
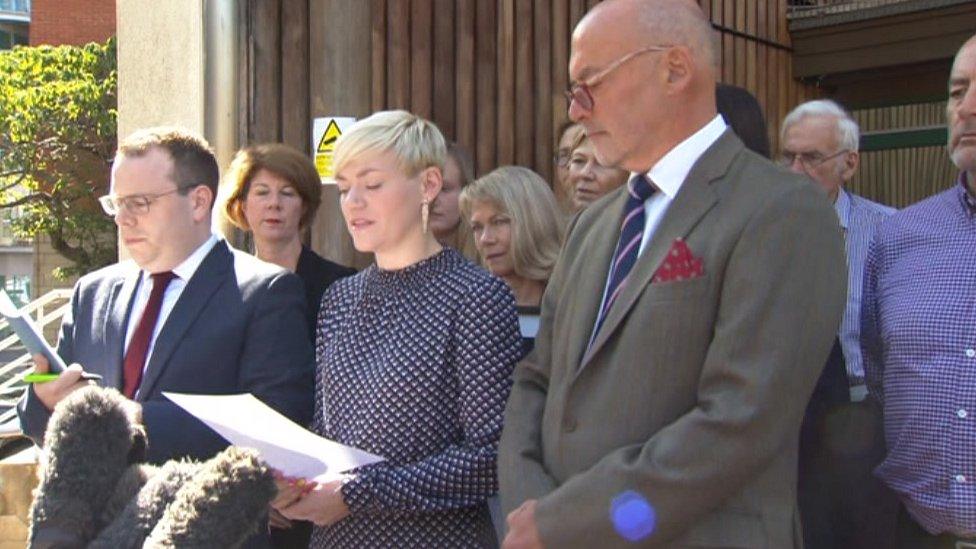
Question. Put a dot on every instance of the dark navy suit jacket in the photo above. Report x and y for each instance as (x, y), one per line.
(238, 327)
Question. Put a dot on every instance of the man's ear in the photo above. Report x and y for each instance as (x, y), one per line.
(679, 64)
(201, 199)
(851, 161)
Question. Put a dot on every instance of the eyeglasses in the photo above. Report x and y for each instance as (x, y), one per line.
(580, 91)
(136, 204)
(561, 158)
(808, 160)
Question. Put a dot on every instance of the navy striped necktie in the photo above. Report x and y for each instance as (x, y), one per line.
(639, 189)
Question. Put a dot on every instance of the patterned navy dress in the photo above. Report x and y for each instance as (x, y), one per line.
(415, 365)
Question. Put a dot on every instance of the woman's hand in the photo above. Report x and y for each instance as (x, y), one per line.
(322, 505)
(290, 490)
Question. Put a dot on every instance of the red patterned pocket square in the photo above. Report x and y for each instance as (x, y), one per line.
(679, 264)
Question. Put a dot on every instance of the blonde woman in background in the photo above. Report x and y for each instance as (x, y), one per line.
(588, 179)
(517, 228)
(445, 218)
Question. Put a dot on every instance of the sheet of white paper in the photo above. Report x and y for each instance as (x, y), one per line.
(247, 422)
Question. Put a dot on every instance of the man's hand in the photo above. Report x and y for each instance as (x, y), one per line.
(52, 392)
(522, 530)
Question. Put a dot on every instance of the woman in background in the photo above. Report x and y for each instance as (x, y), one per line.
(588, 178)
(445, 219)
(517, 229)
(275, 193)
(569, 132)
(414, 359)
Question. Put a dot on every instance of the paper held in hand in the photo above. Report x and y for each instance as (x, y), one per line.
(29, 334)
(286, 446)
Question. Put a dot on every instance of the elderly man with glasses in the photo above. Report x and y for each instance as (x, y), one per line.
(841, 503)
(186, 314)
(686, 321)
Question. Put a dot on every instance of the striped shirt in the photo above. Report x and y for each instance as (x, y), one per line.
(858, 217)
(919, 348)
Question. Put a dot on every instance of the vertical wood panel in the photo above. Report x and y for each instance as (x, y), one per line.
(340, 86)
(265, 71)
(577, 8)
(378, 55)
(398, 56)
(466, 111)
(485, 88)
(560, 64)
(544, 94)
(443, 83)
(524, 123)
(420, 58)
(505, 153)
(294, 74)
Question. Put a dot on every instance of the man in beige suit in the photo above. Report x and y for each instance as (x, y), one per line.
(687, 319)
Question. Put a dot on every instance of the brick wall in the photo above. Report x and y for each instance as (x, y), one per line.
(73, 22)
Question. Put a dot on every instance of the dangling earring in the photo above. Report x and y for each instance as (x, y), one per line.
(425, 214)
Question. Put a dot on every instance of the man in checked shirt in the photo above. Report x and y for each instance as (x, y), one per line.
(918, 341)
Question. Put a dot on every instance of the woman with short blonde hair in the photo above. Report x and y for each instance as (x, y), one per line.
(517, 226)
(414, 359)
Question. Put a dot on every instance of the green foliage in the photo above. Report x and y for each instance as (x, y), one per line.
(57, 139)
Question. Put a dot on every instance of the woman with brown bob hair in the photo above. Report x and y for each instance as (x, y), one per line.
(275, 192)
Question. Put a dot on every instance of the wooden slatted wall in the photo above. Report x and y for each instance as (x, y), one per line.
(900, 177)
(490, 73)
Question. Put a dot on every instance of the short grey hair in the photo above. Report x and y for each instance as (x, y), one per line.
(848, 133)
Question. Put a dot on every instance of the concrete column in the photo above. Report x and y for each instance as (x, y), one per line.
(178, 65)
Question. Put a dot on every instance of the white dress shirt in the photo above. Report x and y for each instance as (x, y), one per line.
(671, 171)
(184, 271)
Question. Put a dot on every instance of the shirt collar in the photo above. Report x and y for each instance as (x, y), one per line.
(670, 172)
(843, 207)
(968, 200)
(190, 265)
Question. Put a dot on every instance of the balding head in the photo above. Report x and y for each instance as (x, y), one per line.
(645, 22)
(645, 75)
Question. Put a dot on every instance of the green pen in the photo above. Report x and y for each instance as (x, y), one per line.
(39, 378)
(44, 378)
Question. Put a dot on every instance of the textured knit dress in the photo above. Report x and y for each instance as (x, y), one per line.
(415, 365)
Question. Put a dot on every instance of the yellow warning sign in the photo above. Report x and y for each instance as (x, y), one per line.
(327, 143)
(325, 132)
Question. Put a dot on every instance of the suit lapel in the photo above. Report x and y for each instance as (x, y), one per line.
(116, 322)
(695, 198)
(199, 289)
(598, 248)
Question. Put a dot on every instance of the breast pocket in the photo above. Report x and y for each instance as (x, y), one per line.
(677, 290)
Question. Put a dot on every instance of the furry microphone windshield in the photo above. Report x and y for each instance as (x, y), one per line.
(93, 493)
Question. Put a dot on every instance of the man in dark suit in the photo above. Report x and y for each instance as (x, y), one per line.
(686, 321)
(186, 314)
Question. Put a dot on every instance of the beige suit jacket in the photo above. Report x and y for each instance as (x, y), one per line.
(693, 391)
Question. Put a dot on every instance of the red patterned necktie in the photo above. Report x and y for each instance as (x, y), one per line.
(135, 355)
